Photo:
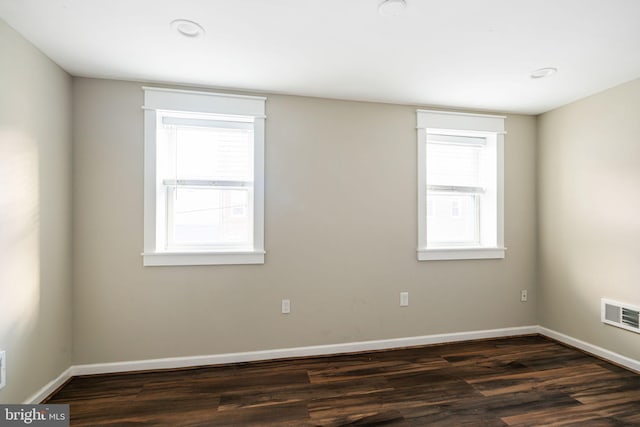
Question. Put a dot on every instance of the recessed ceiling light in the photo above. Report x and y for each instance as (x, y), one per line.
(187, 28)
(541, 73)
(392, 7)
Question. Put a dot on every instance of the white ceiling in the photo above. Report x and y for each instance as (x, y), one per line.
(474, 54)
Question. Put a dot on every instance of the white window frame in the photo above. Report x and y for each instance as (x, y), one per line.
(430, 121)
(161, 99)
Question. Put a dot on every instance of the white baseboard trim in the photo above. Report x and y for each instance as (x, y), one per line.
(318, 350)
(45, 391)
(321, 350)
(603, 353)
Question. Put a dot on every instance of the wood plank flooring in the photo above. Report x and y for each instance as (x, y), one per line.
(522, 381)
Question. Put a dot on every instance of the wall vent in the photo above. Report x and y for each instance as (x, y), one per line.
(622, 315)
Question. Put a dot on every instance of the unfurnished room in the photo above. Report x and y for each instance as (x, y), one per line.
(319, 212)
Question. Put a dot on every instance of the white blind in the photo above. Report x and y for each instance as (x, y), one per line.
(454, 164)
(217, 154)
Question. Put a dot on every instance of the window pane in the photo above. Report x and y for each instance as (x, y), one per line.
(206, 216)
(454, 164)
(454, 219)
(214, 154)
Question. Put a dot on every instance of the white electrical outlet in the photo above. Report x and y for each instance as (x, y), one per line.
(523, 295)
(404, 299)
(286, 306)
(3, 369)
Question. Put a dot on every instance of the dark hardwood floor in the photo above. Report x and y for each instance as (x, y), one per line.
(522, 381)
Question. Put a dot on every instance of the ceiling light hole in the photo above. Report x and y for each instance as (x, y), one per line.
(541, 73)
(187, 28)
(392, 7)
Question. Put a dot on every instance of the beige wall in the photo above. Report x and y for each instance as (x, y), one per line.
(340, 230)
(35, 217)
(340, 239)
(589, 213)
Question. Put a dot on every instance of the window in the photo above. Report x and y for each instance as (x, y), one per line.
(460, 186)
(204, 185)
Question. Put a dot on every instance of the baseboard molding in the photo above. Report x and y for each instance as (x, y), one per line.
(319, 350)
(322, 350)
(45, 391)
(603, 353)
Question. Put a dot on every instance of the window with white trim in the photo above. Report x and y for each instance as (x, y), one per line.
(204, 178)
(460, 185)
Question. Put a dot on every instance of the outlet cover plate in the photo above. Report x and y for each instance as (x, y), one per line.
(3, 369)
(286, 306)
(404, 299)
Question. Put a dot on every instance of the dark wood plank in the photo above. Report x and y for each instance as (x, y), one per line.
(520, 381)
(303, 393)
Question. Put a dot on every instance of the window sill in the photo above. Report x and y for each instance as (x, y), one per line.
(460, 253)
(153, 259)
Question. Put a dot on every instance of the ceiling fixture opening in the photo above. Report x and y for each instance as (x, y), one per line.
(187, 28)
(392, 7)
(541, 73)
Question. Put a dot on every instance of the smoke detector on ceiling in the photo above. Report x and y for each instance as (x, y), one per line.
(187, 28)
(392, 7)
(541, 73)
